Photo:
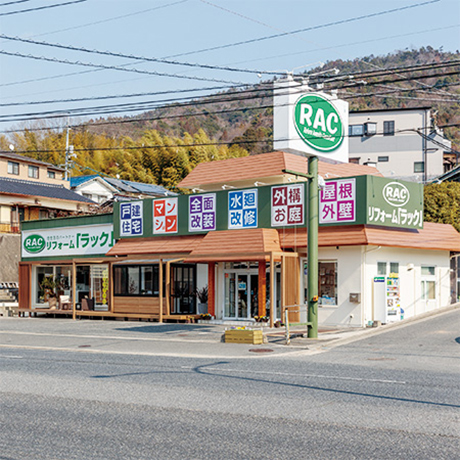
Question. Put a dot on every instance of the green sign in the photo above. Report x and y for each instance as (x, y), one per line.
(34, 244)
(318, 122)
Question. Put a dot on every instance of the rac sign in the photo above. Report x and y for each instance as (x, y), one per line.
(396, 194)
(318, 122)
(34, 244)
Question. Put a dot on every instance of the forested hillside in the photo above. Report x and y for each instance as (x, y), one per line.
(162, 146)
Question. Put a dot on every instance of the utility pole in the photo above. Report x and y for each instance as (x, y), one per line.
(68, 153)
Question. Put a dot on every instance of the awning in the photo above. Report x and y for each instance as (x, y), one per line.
(237, 245)
(156, 245)
(432, 236)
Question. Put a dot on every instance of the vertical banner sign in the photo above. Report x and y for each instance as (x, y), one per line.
(202, 212)
(393, 300)
(131, 219)
(242, 209)
(338, 201)
(165, 216)
(287, 205)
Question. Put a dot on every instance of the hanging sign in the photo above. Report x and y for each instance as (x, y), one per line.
(202, 212)
(287, 205)
(242, 209)
(338, 201)
(131, 218)
(165, 214)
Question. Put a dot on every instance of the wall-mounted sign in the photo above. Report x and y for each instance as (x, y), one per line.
(165, 215)
(338, 201)
(67, 241)
(309, 123)
(287, 205)
(131, 218)
(202, 212)
(242, 209)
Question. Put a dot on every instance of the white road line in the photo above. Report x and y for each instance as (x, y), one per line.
(287, 374)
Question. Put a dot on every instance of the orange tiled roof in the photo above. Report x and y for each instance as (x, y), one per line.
(434, 236)
(266, 165)
(235, 245)
(156, 245)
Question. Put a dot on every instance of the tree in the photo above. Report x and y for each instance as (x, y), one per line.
(442, 203)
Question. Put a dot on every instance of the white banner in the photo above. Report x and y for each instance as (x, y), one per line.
(67, 241)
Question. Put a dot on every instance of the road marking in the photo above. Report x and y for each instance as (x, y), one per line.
(287, 374)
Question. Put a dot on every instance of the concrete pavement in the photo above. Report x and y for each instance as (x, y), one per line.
(181, 340)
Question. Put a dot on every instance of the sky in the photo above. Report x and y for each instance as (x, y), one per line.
(255, 35)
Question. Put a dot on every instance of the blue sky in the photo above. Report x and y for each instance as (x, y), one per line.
(165, 28)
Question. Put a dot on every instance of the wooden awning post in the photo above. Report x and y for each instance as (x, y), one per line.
(74, 290)
(283, 286)
(160, 290)
(168, 288)
(272, 290)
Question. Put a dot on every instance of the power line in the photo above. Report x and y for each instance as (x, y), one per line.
(112, 67)
(206, 102)
(137, 58)
(14, 3)
(42, 7)
(322, 26)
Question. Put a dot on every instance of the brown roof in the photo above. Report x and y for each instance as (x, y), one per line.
(266, 165)
(17, 157)
(434, 236)
(235, 245)
(156, 245)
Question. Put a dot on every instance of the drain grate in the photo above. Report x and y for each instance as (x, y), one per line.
(261, 350)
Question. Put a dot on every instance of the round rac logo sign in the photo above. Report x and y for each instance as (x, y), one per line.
(34, 244)
(318, 122)
(396, 194)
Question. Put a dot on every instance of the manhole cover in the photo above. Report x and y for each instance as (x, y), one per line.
(261, 350)
(84, 346)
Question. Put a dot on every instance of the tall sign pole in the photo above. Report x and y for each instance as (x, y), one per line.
(312, 248)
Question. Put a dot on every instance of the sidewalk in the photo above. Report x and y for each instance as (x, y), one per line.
(179, 340)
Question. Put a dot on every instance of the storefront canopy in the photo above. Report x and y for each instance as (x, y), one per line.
(433, 236)
(155, 246)
(236, 245)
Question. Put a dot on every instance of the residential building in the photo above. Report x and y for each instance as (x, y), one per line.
(102, 188)
(400, 143)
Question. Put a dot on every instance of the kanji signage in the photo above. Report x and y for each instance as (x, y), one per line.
(287, 205)
(338, 201)
(242, 209)
(67, 241)
(165, 215)
(202, 212)
(131, 218)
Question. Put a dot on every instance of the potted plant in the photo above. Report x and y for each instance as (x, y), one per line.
(202, 296)
(48, 285)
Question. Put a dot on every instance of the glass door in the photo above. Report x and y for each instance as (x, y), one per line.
(230, 295)
(241, 294)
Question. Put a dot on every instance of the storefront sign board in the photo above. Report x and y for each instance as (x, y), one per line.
(67, 241)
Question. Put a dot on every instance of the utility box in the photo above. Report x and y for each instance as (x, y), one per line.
(355, 297)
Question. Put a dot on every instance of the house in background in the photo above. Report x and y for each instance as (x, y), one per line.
(400, 143)
(101, 189)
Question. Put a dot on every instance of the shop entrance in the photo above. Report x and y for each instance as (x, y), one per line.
(241, 294)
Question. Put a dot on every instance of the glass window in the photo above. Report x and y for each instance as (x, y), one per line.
(383, 159)
(394, 267)
(428, 290)
(370, 128)
(33, 172)
(136, 280)
(327, 283)
(428, 271)
(51, 174)
(419, 166)
(389, 128)
(13, 168)
(356, 130)
(381, 268)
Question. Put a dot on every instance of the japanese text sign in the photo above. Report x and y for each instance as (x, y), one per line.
(242, 209)
(202, 212)
(67, 241)
(287, 205)
(131, 218)
(338, 201)
(165, 214)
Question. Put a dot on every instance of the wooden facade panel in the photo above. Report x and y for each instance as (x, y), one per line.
(292, 287)
(143, 305)
(25, 285)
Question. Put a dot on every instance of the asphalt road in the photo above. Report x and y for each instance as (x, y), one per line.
(392, 395)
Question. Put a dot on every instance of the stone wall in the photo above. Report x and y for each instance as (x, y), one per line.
(10, 255)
